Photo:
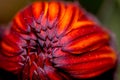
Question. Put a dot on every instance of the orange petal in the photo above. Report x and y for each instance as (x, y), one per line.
(86, 43)
(79, 32)
(37, 8)
(53, 11)
(66, 18)
(19, 24)
(69, 59)
(89, 64)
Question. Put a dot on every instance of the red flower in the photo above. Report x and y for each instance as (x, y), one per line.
(56, 41)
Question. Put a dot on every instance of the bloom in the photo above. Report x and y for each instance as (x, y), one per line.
(56, 41)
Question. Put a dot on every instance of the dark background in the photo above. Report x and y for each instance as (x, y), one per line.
(107, 11)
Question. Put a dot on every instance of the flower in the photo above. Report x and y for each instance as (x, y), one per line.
(56, 41)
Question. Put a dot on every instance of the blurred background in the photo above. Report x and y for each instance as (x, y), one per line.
(107, 11)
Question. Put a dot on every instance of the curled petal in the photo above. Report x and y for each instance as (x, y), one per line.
(88, 64)
(86, 43)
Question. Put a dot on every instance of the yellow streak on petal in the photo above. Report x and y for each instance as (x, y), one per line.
(46, 8)
(18, 21)
(89, 41)
(75, 19)
(82, 23)
(79, 44)
(113, 55)
(37, 9)
(44, 17)
(63, 23)
(62, 6)
(110, 55)
(53, 10)
(7, 47)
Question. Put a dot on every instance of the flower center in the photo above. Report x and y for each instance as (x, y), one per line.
(38, 51)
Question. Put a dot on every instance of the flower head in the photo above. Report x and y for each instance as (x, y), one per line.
(56, 41)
